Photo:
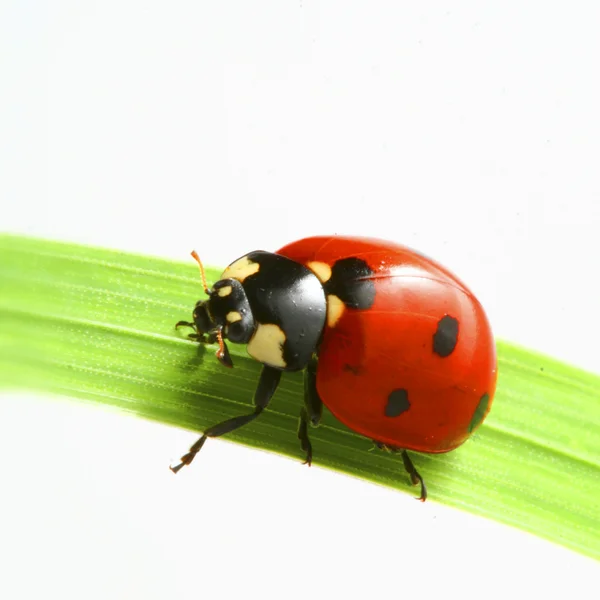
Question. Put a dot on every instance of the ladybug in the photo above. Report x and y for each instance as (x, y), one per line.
(391, 342)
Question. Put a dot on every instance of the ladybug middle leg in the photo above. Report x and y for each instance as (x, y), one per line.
(267, 384)
(311, 411)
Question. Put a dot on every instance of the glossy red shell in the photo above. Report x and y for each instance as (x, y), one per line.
(370, 353)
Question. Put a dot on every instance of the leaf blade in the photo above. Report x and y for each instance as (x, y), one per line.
(97, 325)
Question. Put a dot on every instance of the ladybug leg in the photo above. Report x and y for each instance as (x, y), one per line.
(311, 411)
(415, 478)
(191, 336)
(202, 338)
(267, 384)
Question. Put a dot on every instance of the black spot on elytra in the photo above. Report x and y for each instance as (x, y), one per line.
(351, 281)
(397, 403)
(445, 336)
(480, 412)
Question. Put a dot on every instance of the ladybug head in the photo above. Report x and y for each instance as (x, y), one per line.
(225, 315)
(227, 309)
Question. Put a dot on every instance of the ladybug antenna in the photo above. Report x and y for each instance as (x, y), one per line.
(202, 275)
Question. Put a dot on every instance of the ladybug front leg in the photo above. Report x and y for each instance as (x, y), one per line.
(267, 384)
(203, 338)
(311, 411)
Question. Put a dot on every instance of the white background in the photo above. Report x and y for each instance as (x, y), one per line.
(471, 133)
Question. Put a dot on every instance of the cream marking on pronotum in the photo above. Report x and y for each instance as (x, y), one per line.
(240, 269)
(321, 270)
(233, 316)
(266, 345)
(335, 309)
(225, 291)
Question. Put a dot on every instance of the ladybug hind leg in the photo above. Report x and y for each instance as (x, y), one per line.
(415, 477)
(267, 384)
(311, 411)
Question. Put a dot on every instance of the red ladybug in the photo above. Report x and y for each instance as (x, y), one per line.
(394, 344)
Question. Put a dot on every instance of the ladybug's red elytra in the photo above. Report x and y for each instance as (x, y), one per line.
(391, 342)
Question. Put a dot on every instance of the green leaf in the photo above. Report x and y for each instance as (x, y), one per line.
(98, 325)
